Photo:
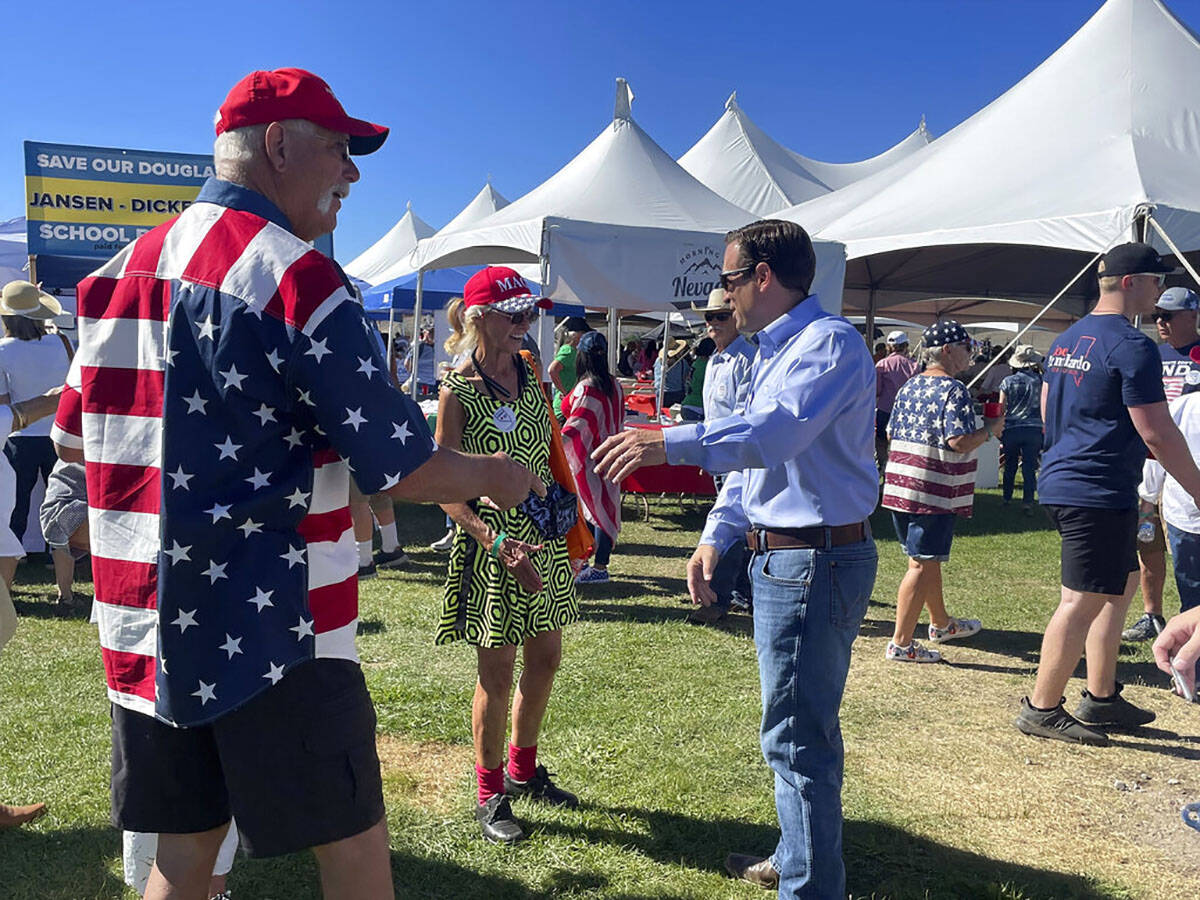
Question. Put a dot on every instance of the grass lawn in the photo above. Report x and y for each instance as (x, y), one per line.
(654, 723)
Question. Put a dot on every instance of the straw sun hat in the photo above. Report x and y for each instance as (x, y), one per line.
(20, 298)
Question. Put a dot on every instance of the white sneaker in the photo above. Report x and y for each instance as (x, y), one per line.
(955, 630)
(914, 652)
(444, 543)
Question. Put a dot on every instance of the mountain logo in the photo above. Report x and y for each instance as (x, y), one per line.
(697, 272)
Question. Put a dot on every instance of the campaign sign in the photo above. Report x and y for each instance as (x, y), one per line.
(92, 201)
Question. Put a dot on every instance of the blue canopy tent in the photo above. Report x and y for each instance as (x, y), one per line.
(439, 288)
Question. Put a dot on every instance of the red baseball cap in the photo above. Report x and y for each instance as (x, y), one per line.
(263, 97)
(502, 288)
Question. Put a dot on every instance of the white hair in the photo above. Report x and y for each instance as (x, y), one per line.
(237, 147)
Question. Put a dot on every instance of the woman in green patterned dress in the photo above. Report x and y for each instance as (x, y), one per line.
(507, 585)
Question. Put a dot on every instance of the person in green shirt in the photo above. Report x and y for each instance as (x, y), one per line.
(692, 406)
(562, 369)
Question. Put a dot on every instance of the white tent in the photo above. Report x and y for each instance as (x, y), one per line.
(14, 255)
(622, 225)
(743, 164)
(1015, 201)
(374, 263)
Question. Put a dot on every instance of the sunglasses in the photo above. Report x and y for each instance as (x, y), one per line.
(1164, 315)
(1160, 277)
(726, 277)
(717, 316)
(517, 318)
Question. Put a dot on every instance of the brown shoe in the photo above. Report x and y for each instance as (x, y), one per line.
(753, 869)
(12, 816)
(707, 615)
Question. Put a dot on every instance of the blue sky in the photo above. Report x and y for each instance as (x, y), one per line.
(515, 90)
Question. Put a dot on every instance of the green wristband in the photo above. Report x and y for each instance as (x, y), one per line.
(495, 551)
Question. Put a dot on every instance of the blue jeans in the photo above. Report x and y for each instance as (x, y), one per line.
(1023, 445)
(604, 546)
(808, 605)
(1185, 556)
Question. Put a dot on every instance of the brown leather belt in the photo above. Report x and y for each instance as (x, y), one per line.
(818, 537)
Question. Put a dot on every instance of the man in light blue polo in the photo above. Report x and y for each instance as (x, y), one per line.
(802, 481)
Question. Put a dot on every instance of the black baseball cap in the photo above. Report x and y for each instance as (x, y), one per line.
(1133, 259)
(576, 323)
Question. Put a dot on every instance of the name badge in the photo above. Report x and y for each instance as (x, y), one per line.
(504, 419)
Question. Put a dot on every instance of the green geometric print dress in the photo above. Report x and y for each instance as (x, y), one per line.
(483, 604)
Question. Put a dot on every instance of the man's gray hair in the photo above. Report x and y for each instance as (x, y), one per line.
(235, 148)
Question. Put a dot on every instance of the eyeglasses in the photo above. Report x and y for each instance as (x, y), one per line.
(734, 273)
(1163, 315)
(717, 316)
(1160, 277)
(517, 318)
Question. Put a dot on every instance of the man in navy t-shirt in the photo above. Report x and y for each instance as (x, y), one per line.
(1103, 405)
(1175, 316)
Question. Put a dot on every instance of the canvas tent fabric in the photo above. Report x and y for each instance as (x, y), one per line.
(622, 225)
(373, 264)
(1015, 200)
(742, 163)
(14, 255)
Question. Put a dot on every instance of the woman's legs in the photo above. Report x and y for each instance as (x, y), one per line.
(1029, 466)
(1012, 456)
(604, 548)
(921, 586)
(543, 653)
(489, 711)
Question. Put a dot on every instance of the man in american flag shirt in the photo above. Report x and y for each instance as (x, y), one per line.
(225, 388)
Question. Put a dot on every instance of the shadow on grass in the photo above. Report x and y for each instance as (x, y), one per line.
(60, 864)
(371, 626)
(46, 607)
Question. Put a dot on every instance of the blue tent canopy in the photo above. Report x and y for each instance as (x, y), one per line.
(439, 288)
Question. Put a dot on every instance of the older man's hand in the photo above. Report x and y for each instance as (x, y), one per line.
(513, 483)
(1179, 643)
(700, 570)
(623, 454)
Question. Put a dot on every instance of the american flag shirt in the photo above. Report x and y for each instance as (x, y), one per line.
(225, 387)
(923, 475)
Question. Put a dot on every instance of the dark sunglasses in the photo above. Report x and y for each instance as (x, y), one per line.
(1163, 315)
(517, 318)
(726, 277)
(717, 316)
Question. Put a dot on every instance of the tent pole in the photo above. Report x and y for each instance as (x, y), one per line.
(416, 341)
(614, 339)
(1045, 309)
(869, 324)
(391, 345)
(1171, 246)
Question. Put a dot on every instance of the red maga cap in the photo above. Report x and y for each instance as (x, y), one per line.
(263, 97)
(502, 288)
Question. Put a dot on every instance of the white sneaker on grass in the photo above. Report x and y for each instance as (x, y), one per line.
(955, 629)
(444, 543)
(913, 653)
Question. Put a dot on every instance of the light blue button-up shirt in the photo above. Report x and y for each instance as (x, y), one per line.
(727, 379)
(801, 451)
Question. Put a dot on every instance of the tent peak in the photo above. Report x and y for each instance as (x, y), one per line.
(731, 103)
(623, 108)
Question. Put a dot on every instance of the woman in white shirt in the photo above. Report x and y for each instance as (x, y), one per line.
(32, 362)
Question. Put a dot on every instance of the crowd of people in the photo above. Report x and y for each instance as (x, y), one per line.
(222, 455)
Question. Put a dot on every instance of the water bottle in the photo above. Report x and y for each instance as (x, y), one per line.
(1145, 532)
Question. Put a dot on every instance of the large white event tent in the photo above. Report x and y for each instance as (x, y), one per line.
(1097, 142)
(621, 226)
(374, 263)
(742, 163)
(482, 205)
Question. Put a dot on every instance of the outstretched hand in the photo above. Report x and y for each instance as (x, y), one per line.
(624, 453)
(1179, 642)
(513, 484)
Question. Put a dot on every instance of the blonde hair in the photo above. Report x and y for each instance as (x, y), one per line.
(464, 330)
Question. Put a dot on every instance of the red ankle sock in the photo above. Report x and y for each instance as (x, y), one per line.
(522, 762)
(491, 782)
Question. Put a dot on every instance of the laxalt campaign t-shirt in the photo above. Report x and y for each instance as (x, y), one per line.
(1177, 368)
(1095, 370)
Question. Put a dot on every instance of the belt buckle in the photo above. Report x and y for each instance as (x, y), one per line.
(760, 538)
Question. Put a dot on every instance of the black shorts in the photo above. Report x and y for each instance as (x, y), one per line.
(1099, 547)
(296, 766)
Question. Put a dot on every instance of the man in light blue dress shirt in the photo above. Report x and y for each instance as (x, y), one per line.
(726, 381)
(802, 482)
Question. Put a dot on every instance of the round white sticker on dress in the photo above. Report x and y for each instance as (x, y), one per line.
(504, 419)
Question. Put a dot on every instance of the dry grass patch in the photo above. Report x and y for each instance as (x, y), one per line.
(938, 741)
(428, 775)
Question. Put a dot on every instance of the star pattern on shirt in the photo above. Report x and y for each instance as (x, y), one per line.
(400, 432)
(929, 409)
(232, 645)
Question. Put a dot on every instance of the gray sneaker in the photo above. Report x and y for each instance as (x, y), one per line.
(1057, 724)
(1112, 712)
(1144, 629)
